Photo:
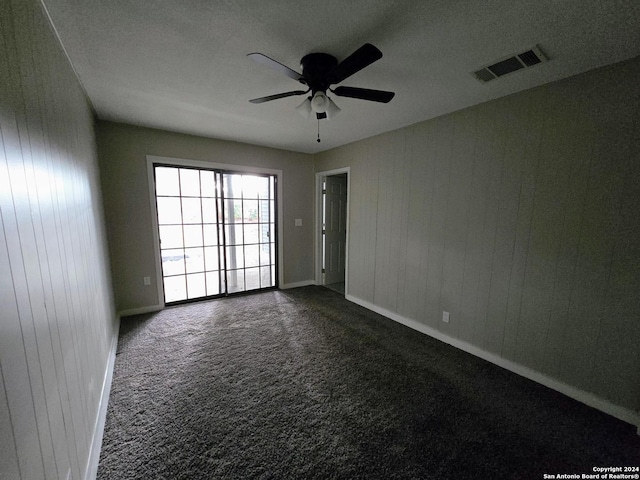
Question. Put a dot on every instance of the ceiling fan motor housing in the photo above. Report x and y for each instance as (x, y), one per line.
(316, 68)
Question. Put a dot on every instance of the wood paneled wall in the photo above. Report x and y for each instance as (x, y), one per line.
(56, 308)
(520, 217)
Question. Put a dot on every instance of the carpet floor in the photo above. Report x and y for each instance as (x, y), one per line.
(304, 384)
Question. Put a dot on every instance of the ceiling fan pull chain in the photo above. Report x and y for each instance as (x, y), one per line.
(318, 131)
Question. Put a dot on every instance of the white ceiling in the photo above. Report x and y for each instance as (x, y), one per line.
(181, 65)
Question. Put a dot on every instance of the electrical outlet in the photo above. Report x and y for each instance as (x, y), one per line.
(147, 280)
(445, 317)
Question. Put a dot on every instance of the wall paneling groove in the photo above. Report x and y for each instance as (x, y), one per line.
(58, 318)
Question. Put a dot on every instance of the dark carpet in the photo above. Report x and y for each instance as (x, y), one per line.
(304, 384)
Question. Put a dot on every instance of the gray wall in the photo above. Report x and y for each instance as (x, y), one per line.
(521, 217)
(123, 149)
(57, 319)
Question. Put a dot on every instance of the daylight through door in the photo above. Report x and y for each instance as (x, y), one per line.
(217, 231)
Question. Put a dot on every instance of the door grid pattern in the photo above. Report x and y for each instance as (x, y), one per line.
(217, 231)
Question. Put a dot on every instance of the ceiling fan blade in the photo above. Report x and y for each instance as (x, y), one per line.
(365, 55)
(364, 94)
(277, 96)
(277, 66)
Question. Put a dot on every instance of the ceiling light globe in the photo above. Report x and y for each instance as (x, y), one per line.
(320, 102)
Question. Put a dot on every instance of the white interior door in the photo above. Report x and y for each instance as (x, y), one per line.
(335, 228)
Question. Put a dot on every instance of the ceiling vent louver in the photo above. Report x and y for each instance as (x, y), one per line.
(510, 64)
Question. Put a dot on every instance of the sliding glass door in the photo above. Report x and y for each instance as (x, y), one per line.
(217, 231)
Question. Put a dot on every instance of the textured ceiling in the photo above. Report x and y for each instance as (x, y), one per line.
(181, 65)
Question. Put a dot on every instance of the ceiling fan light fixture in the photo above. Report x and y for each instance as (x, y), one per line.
(304, 108)
(319, 102)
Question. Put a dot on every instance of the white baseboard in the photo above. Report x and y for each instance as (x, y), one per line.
(98, 429)
(304, 283)
(138, 311)
(622, 413)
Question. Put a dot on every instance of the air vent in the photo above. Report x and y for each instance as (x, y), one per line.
(510, 64)
(529, 58)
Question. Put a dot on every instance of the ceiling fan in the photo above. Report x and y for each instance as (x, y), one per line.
(319, 72)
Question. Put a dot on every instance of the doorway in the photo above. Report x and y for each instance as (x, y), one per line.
(217, 231)
(332, 201)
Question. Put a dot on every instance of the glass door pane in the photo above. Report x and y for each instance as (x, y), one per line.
(187, 203)
(249, 204)
(217, 232)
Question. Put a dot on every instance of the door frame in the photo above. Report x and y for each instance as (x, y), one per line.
(181, 162)
(318, 227)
